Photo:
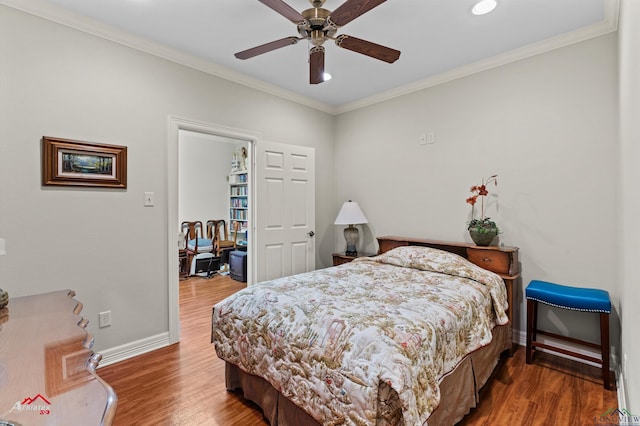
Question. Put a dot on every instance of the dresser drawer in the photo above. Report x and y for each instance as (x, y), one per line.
(495, 260)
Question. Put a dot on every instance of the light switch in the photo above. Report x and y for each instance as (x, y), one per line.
(149, 199)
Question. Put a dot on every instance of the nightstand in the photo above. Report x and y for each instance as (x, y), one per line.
(340, 258)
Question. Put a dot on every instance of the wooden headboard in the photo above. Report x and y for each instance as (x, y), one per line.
(501, 260)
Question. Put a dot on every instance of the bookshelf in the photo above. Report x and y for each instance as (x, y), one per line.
(239, 205)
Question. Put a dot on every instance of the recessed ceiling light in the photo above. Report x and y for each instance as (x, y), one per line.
(484, 7)
(326, 76)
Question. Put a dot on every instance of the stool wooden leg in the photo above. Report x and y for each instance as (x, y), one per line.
(604, 343)
(532, 308)
(534, 331)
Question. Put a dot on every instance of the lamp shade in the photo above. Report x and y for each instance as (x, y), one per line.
(350, 214)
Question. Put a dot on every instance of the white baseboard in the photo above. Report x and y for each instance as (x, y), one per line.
(129, 350)
(622, 392)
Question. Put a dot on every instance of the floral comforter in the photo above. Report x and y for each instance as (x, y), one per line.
(329, 338)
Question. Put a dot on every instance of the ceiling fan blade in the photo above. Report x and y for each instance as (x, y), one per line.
(316, 65)
(284, 9)
(351, 9)
(368, 48)
(267, 47)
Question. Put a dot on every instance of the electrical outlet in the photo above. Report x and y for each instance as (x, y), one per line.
(105, 319)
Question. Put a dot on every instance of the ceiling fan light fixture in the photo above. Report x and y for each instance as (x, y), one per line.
(483, 7)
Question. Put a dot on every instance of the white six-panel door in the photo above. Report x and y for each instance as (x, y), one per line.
(285, 216)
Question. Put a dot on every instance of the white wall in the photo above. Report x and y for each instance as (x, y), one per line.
(629, 286)
(204, 163)
(105, 244)
(547, 125)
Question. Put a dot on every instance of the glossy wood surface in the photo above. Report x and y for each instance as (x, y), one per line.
(184, 384)
(553, 391)
(504, 262)
(47, 367)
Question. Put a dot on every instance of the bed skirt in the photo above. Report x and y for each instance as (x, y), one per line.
(459, 389)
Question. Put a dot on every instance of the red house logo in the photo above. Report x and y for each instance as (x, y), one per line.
(38, 403)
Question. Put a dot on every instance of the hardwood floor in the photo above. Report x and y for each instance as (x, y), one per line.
(184, 384)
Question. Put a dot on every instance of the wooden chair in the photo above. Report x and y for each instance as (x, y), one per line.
(218, 232)
(195, 242)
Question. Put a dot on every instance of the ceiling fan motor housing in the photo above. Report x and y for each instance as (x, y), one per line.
(315, 26)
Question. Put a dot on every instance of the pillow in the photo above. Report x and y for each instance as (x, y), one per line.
(435, 260)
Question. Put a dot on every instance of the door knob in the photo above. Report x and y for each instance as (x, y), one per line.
(311, 233)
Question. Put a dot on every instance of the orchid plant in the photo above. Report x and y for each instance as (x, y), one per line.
(484, 224)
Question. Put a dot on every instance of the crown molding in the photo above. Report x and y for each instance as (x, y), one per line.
(54, 13)
(609, 24)
(57, 14)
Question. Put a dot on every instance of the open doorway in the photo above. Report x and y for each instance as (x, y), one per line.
(213, 190)
(199, 186)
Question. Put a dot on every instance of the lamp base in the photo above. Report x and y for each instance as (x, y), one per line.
(351, 237)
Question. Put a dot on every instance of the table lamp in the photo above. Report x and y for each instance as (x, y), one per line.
(350, 214)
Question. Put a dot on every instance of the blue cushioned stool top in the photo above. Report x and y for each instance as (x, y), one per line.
(576, 298)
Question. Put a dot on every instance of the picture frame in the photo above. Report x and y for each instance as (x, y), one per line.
(67, 162)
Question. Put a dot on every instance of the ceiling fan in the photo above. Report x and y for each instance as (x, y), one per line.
(319, 25)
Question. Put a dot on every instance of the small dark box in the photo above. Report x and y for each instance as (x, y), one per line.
(238, 265)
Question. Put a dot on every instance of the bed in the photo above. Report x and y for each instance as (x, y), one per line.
(405, 337)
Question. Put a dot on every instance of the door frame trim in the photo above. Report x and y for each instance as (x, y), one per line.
(175, 124)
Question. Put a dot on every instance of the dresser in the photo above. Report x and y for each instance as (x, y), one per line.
(47, 368)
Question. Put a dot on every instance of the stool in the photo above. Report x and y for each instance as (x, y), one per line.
(573, 298)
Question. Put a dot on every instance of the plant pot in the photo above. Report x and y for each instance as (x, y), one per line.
(483, 237)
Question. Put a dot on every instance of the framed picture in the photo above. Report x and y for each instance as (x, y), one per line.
(74, 163)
